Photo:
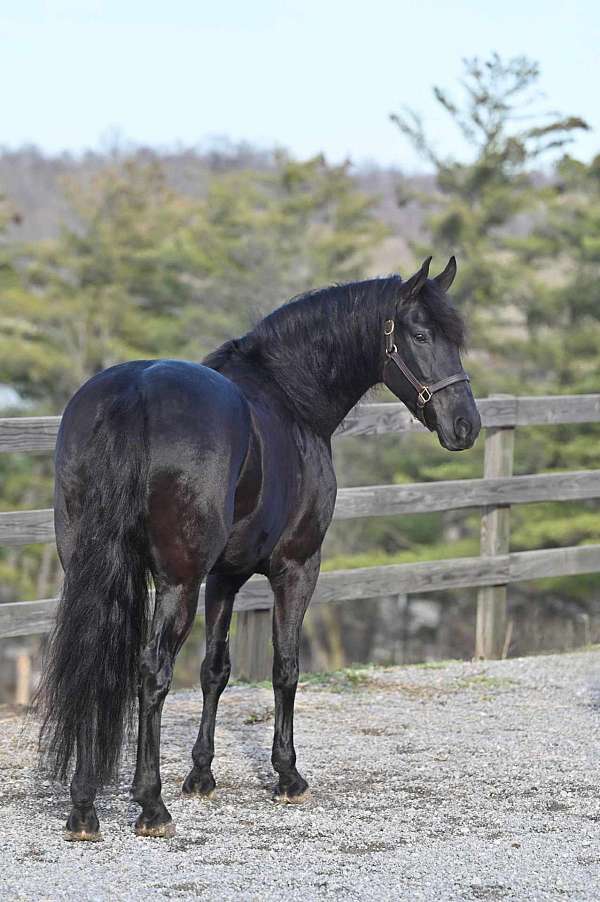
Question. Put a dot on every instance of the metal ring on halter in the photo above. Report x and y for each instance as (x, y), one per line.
(424, 396)
(388, 331)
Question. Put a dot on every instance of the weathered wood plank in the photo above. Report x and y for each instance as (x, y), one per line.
(424, 497)
(396, 579)
(546, 562)
(28, 617)
(378, 419)
(26, 527)
(552, 410)
(28, 433)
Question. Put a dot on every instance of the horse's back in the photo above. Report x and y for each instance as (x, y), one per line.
(180, 400)
(191, 403)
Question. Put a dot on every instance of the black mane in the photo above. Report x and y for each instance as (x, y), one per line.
(320, 348)
(325, 349)
(346, 317)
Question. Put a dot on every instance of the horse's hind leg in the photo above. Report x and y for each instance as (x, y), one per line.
(214, 674)
(174, 614)
(83, 823)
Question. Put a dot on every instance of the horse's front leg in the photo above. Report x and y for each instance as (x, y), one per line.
(293, 585)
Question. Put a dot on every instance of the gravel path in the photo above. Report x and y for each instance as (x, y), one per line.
(466, 781)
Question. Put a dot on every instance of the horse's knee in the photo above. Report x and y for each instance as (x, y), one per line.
(285, 672)
(156, 673)
(216, 667)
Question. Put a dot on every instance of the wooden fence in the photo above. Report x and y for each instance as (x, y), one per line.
(491, 572)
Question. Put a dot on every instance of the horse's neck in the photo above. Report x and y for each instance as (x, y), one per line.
(323, 389)
(319, 354)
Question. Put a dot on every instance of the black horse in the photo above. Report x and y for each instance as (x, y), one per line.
(182, 472)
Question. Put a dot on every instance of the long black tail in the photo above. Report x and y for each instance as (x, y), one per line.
(89, 686)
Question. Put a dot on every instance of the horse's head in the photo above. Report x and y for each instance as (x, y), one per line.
(423, 337)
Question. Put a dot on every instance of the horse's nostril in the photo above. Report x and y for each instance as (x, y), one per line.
(462, 428)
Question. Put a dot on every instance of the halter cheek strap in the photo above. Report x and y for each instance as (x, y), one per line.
(424, 392)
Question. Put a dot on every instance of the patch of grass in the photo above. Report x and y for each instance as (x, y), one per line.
(483, 681)
(348, 679)
(259, 716)
(436, 665)
(364, 676)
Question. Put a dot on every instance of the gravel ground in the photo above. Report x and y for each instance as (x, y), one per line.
(467, 781)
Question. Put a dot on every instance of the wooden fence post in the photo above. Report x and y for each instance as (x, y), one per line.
(490, 631)
(23, 682)
(252, 653)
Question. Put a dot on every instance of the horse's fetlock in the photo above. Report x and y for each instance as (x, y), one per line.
(146, 793)
(283, 759)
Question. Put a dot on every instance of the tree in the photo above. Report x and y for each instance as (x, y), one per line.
(486, 206)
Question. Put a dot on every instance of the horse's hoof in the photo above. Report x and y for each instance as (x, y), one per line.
(285, 798)
(82, 836)
(292, 791)
(162, 831)
(199, 787)
(198, 793)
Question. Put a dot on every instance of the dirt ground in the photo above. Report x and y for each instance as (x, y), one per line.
(462, 781)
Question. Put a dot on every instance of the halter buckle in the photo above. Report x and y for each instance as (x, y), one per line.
(388, 331)
(424, 396)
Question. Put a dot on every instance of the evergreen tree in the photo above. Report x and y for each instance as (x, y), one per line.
(485, 206)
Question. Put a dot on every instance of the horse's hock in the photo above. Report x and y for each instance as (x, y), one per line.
(459, 781)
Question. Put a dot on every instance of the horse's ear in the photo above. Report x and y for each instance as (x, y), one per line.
(446, 278)
(412, 286)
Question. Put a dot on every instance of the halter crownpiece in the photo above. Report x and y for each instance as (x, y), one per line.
(424, 392)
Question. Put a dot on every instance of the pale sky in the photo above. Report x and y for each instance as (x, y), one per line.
(309, 75)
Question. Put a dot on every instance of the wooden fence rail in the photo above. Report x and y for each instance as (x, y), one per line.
(491, 572)
(24, 618)
(29, 527)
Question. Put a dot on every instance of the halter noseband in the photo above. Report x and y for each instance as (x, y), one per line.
(424, 392)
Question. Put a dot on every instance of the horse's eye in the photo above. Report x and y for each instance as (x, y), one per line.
(420, 336)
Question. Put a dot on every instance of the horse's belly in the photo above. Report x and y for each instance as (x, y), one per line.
(252, 540)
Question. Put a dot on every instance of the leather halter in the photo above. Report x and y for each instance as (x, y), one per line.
(424, 392)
